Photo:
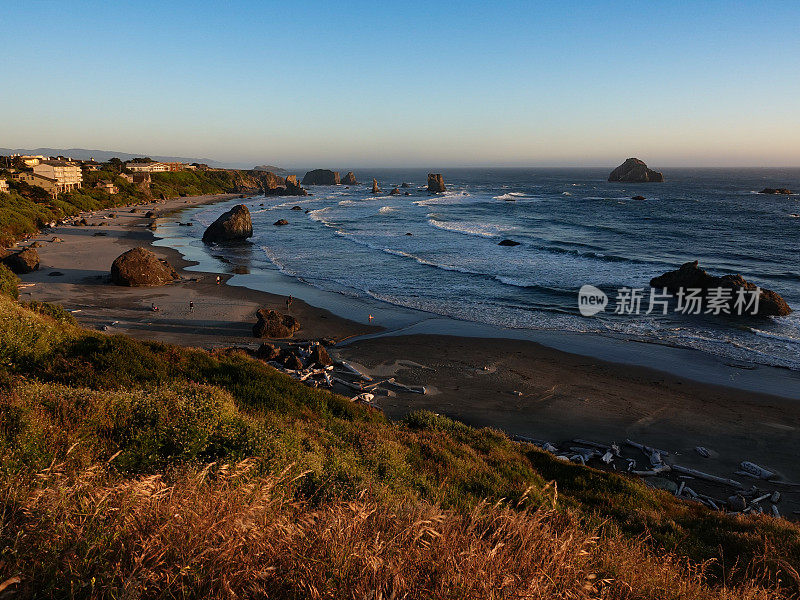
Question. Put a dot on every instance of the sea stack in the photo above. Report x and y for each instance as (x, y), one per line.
(350, 179)
(234, 225)
(436, 183)
(691, 276)
(321, 177)
(375, 188)
(634, 170)
(140, 267)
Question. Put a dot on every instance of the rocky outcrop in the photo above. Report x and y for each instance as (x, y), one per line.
(405, 185)
(375, 188)
(281, 222)
(638, 198)
(349, 179)
(24, 261)
(436, 183)
(273, 185)
(234, 225)
(267, 352)
(781, 191)
(691, 276)
(321, 177)
(140, 267)
(272, 324)
(508, 243)
(634, 170)
(395, 192)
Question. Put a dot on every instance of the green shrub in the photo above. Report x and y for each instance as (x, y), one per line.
(8, 283)
(54, 311)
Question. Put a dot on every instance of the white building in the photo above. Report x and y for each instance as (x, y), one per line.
(3, 186)
(66, 174)
(151, 167)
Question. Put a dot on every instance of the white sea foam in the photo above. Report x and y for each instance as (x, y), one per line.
(468, 228)
(386, 209)
(511, 196)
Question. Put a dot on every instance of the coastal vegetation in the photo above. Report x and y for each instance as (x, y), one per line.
(26, 208)
(140, 469)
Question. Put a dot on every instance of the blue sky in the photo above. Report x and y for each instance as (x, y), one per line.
(411, 84)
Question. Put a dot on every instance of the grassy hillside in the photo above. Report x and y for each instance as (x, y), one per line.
(134, 469)
(27, 208)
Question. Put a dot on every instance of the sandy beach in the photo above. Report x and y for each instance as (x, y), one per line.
(519, 386)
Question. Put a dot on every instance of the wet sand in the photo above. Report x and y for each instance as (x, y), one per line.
(518, 386)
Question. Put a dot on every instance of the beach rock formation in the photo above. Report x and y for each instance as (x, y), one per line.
(24, 261)
(405, 185)
(267, 352)
(436, 183)
(375, 188)
(140, 267)
(272, 324)
(395, 192)
(690, 275)
(273, 185)
(634, 170)
(320, 356)
(508, 243)
(321, 177)
(234, 225)
(349, 179)
(281, 222)
(781, 191)
(638, 198)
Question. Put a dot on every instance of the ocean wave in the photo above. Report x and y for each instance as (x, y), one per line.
(386, 209)
(447, 198)
(485, 230)
(510, 196)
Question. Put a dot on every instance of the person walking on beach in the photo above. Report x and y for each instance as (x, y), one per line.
(289, 301)
(191, 306)
(218, 280)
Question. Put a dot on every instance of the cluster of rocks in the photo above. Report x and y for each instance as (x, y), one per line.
(21, 262)
(272, 324)
(296, 357)
(274, 185)
(691, 276)
(634, 170)
(328, 177)
(233, 225)
(140, 267)
(777, 191)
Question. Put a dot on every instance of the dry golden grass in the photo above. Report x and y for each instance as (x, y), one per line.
(223, 532)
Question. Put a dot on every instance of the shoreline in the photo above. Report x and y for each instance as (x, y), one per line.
(521, 386)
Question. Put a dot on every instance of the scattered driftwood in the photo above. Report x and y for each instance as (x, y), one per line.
(355, 371)
(706, 476)
(755, 471)
(703, 452)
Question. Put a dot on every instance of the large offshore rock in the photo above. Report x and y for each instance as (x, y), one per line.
(436, 183)
(691, 276)
(349, 179)
(321, 177)
(140, 267)
(634, 170)
(234, 225)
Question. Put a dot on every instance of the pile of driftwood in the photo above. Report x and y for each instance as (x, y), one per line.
(310, 363)
(659, 468)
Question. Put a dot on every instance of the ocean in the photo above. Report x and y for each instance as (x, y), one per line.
(438, 254)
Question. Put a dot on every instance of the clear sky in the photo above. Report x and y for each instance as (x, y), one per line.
(408, 83)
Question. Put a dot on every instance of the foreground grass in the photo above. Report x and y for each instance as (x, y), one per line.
(105, 447)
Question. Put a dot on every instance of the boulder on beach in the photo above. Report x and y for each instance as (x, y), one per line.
(780, 191)
(321, 177)
(234, 225)
(508, 243)
(24, 261)
(691, 276)
(267, 352)
(293, 362)
(281, 222)
(375, 188)
(436, 183)
(319, 355)
(634, 170)
(349, 179)
(140, 267)
(272, 324)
